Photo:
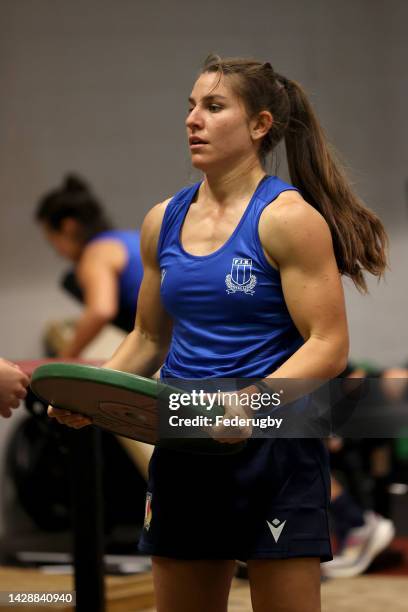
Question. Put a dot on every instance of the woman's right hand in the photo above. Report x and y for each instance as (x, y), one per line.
(66, 417)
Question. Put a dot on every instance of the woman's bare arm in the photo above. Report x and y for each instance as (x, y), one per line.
(142, 352)
(297, 239)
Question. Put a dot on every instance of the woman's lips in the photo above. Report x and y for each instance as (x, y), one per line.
(197, 145)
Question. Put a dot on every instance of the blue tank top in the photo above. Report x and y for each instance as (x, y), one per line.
(132, 274)
(229, 314)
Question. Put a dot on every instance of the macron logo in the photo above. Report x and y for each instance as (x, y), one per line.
(276, 528)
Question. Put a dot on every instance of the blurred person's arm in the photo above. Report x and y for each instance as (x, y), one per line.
(98, 277)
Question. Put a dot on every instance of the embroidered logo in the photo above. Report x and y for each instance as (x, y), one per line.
(148, 512)
(241, 277)
(276, 528)
(163, 274)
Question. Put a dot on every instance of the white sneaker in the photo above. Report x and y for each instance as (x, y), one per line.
(361, 547)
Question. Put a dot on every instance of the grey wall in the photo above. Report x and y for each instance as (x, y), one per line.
(100, 87)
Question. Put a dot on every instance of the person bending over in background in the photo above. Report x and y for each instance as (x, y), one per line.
(107, 266)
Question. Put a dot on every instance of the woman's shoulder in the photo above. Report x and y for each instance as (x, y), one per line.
(154, 217)
(151, 227)
(289, 208)
(107, 252)
(291, 223)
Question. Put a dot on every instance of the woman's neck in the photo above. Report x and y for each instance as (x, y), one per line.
(229, 186)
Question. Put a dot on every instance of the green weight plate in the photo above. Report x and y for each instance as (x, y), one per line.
(119, 402)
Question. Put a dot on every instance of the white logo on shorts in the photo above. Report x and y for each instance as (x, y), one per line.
(241, 277)
(276, 528)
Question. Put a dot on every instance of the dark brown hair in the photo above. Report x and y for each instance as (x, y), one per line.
(359, 238)
(74, 200)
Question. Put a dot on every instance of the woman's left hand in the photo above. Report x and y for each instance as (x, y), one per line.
(227, 431)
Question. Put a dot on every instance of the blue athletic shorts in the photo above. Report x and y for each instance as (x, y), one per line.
(269, 501)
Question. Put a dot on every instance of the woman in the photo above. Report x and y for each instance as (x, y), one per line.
(108, 268)
(242, 279)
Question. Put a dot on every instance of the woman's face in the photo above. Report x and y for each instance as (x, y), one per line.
(218, 128)
(64, 241)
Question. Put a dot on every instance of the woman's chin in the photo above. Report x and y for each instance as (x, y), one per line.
(201, 164)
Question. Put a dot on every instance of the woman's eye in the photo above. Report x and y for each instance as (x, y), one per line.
(189, 110)
(214, 108)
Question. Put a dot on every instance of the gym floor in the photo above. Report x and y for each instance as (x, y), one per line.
(384, 586)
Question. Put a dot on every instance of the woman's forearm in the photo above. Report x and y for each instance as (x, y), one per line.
(313, 364)
(137, 354)
(87, 328)
(317, 358)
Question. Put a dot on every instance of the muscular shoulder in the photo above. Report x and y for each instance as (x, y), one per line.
(109, 253)
(150, 231)
(290, 228)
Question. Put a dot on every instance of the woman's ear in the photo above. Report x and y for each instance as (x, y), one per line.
(261, 124)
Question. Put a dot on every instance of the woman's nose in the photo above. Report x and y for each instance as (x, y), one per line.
(194, 118)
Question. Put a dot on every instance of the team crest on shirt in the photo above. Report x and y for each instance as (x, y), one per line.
(148, 512)
(241, 277)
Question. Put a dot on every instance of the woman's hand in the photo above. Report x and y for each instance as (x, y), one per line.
(13, 383)
(226, 432)
(394, 383)
(66, 417)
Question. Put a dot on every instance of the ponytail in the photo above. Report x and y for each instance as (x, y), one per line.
(359, 238)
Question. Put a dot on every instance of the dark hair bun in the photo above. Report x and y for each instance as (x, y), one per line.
(74, 184)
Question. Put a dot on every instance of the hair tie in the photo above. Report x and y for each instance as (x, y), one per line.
(282, 81)
(267, 66)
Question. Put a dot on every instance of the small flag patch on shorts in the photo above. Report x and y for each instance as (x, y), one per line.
(148, 511)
